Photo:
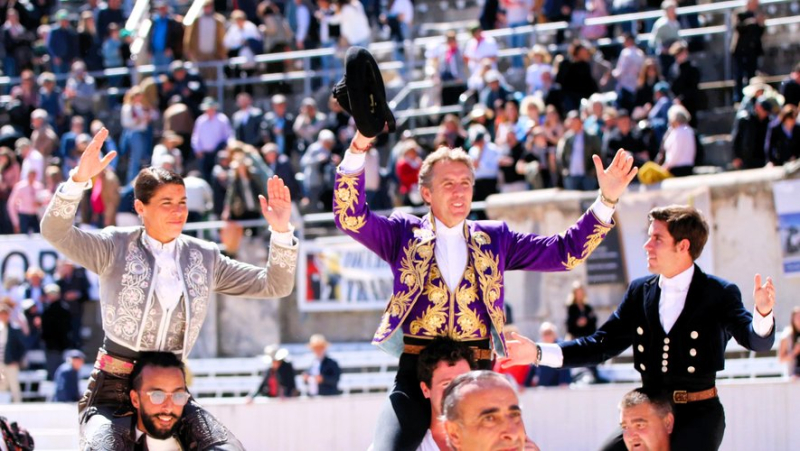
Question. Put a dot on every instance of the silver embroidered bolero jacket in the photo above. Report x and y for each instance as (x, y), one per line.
(132, 316)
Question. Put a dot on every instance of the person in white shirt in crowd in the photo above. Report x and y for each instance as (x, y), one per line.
(629, 65)
(243, 39)
(32, 159)
(308, 123)
(518, 14)
(540, 63)
(169, 147)
(303, 21)
(330, 30)
(357, 31)
(400, 20)
(480, 48)
(135, 118)
(486, 157)
(322, 378)
(664, 33)
(316, 160)
(25, 199)
(199, 196)
(679, 147)
(211, 133)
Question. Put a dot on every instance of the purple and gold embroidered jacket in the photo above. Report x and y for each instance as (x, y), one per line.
(422, 305)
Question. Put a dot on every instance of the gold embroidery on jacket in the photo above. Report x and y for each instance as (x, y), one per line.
(592, 241)
(489, 277)
(345, 200)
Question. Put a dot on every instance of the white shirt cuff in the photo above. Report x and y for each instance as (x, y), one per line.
(74, 190)
(602, 211)
(353, 163)
(285, 239)
(551, 355)
(762, 325)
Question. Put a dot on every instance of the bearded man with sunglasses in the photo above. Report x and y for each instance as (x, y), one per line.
(159, 395)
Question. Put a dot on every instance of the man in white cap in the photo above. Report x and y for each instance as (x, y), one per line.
(317, 161)
(323, 376)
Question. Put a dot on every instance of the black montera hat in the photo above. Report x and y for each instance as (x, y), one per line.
(361, 93)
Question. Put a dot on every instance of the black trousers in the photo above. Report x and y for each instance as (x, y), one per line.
(699, 426)
(107, 420)
(406, 415)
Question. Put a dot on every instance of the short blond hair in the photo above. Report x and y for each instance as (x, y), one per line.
(443, 153)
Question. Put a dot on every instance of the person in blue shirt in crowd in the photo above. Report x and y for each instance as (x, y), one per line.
(67, 377)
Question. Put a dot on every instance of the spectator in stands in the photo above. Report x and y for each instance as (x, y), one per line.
(56, 329)
(340, 123)
(329, 34)
(112, 13)
(790, 87)
(70, 160)
(574, 154)
(165, 40)
(789, 350)
(280, 165)
(136, 118)
(684, 79)
(12, 350)
(75, 293)
(278, 381)
(77, 127)
(199, 197)
(658, 114)
(188, 86)
(783, 137)
(357, 31)
(323, 376)
(277, 126)
(17, 42)
(169, 147)
(512, 153)
(407, 170)
(646, 82)
(62, 44)
(540, 63)
(451, 69)
(509, 120)
(517, 14)
(89, 43)
(575, 76)
(494, 90)
(247, 120)
(219, 181)
(244, 189)
(646, 421)
(749, 135)
(492, 16)
(478, 49)
(68, 376)
(112, 54)
(626, 135)
(592, 113)
(299, 15)
(33, 287)
(450, 133)
(80, 92)
(552, 126)
(473, 397)
(50, 100)
(105, 198)
(486, 158)
(308, 124)
(32, 159)
(623, 7)
(28, 95)
(243, 39)
(318, 164)
(627, 72)
(400, 20)
(748, 28)
(581, 319)
(159, 395)
(558, 11)
(542, 376)
(9, 176)
(664, 34)
(211, 133)
(203, 40)
(538, 164)
(278, 36)
(595, 9)
(679, 145)
(439, 363)
(27, 196)
(43, 137)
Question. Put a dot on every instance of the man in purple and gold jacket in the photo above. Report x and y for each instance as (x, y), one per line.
(448, 272)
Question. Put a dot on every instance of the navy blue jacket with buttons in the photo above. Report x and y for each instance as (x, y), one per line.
(694, 350)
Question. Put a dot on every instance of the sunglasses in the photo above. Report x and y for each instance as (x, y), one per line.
(158, 397)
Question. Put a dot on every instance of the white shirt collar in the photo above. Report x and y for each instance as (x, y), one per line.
(444, 231)
(158, 247)
(680, 282)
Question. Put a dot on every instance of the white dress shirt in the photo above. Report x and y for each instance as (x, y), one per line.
(670, 306)
(207, 34)
(679, 147)
(428, 443)
(154, 444)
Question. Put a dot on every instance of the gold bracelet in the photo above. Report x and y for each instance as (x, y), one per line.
(606, 200)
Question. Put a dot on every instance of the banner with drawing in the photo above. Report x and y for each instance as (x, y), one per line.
(787, 206)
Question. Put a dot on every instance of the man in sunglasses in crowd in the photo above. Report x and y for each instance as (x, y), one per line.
(158, 394)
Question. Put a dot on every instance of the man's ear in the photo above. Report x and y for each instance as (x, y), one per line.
(684, 245)
(426, 392)
(453, 434)
(669, 422)
(426, 194)
(135, 399)
(138, 206)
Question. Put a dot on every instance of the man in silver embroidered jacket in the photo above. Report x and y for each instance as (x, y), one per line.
(154, 289)
(448, 271)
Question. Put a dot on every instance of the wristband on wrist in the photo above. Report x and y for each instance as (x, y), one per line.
(606, 200)
(357, 149)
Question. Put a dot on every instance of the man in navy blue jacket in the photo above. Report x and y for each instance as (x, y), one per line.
(12, 350)
(323, 376)
(67, 377)
(678, 321)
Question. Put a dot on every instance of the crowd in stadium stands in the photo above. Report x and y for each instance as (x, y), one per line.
(573, 104)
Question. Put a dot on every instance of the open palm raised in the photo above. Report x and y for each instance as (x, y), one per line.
(278, 209)
(91, 164)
